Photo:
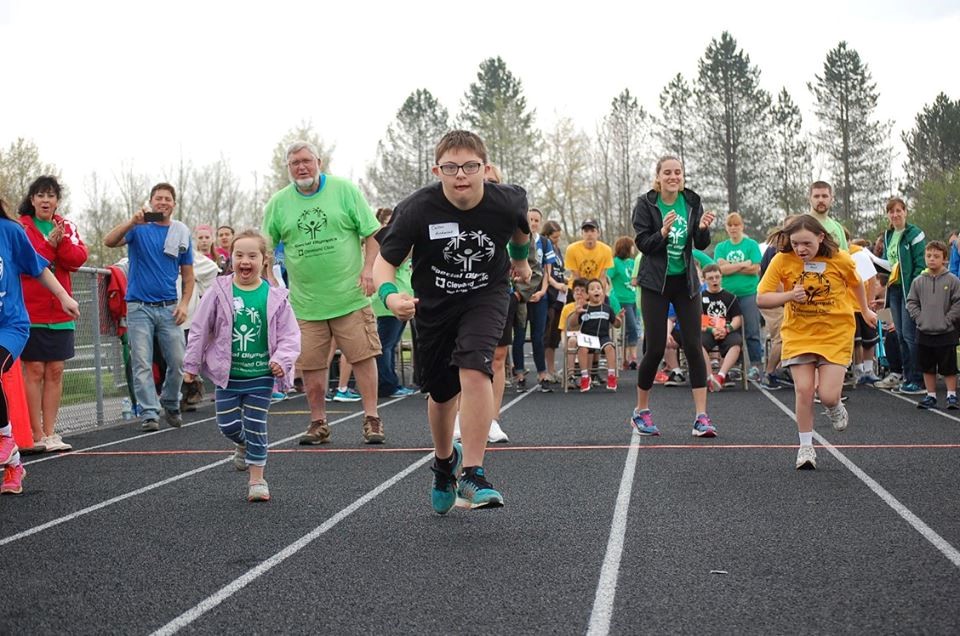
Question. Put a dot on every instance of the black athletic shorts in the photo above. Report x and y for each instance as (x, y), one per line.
(733, 339)
(48, 345)
(865, 334)
(940, 359)
(462, 335)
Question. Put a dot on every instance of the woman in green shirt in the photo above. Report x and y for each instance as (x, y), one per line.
(620, 276)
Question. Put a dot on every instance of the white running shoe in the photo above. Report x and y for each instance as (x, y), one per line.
(496, 433)
(806, 458)
(456, 428)
(892, 381)
(838, 417)
(54, 444)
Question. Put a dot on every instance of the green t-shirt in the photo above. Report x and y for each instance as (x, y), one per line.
(620, 275)
(403, 284)
(746, 251)
(836, 230)
(703, 258)
(250, 347)
(45, 228)
(322, 234)
(677, 237)
(893, 252)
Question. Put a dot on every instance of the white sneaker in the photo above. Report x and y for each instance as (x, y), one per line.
(496, 433)
(892, 381)
(838, 417)
(54, 444)
(806, 458)
(456, 428)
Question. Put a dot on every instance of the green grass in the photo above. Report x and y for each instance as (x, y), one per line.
(81, 387)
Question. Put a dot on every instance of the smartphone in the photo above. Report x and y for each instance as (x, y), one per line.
(153, 217)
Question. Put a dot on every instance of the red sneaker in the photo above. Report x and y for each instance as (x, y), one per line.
(715, 382)
(13, 479)
(611, 382)
(7, 448)
(584, 383)
(661, 377)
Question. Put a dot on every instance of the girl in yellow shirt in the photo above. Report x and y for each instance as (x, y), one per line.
(818, 322)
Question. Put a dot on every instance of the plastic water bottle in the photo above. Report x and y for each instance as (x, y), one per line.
(126, 408)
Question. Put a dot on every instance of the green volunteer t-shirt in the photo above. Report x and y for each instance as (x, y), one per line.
(703, 258)
(677, 237)
(403, 284)
(45, 228)
(620, 275)
(836, 230)
(322, 235)
(250, 348)
(746, 251)
(893, 251)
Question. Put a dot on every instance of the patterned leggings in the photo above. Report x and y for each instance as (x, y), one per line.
(242, 415)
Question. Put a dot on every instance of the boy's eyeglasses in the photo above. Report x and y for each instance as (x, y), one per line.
(451, 169)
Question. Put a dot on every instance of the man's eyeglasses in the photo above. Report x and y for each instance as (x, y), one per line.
(451, 169)
(300, 162)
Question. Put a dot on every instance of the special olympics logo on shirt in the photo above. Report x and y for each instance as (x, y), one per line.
(716, 309)
(816, 286)
(736, 256)
(312, 221)
(679, 226)
(469, 249)
(244, 334)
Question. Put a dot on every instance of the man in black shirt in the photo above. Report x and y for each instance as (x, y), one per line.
(721, 325)
(459, 231)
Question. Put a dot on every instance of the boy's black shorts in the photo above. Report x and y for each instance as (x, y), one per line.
(865, 334)
(733, 339)
(461, 335)
(940, 359)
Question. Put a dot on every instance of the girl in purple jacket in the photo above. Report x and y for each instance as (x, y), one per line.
(244, 336)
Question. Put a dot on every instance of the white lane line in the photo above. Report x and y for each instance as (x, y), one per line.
(607, 587)
(253, 574)
(928, 533)
(909, 401)
(133, 493)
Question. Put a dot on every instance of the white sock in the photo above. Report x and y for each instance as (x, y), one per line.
(611, 373)
(342, 389)
(933, 395)
(7, 431)
(868, 367)
(676, 370)
(585, 374)
(722, 375)
(951, 394)
(14, 459)
(806, 439)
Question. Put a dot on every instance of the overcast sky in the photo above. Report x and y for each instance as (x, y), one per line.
(99, 84)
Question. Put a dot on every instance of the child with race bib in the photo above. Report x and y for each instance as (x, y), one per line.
(818, 321)
(244, 336)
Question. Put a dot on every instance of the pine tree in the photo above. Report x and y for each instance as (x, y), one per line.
(853, 141)
(933, 144)
(495, 108)
(793, 169)
(406, 153)
(732, 132)
(675, 106)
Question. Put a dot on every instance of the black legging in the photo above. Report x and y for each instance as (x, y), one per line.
(654, 307)
(6, 361)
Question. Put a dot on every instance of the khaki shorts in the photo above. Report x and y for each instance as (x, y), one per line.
(773, 319)
(355, 333)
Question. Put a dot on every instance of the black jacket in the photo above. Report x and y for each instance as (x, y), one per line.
(648, 222)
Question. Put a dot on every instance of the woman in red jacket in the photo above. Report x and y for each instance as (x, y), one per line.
(51, 329)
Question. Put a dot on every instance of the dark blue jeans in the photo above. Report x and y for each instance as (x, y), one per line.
(906, 334)
(389, 328)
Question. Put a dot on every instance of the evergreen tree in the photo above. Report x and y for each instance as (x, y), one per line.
(933, 145)
(20, 164)
(853, 141)
(793, 169)
(675, 106)
(732, 133)
(495, 108)
(938, 200)
(406, 153)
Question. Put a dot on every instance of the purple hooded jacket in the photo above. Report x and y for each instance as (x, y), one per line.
(209, 349)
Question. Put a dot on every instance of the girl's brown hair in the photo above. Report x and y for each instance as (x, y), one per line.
(781, 238)
(623, 248)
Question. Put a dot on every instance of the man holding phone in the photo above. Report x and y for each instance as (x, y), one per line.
(159, 250)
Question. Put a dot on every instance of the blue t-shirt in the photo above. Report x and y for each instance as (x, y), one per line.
(153, 274)
(17, 257)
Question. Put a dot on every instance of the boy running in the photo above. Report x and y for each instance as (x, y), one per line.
(458, 230)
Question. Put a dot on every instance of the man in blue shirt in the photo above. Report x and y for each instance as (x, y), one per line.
(159, 250)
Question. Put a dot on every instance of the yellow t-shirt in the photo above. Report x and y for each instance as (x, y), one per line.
(565, 313)
(824, 324)
(586, 263)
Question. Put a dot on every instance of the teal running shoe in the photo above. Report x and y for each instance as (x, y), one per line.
(444, 493)
(476, 492)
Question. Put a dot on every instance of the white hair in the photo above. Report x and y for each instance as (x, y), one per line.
(299, 145)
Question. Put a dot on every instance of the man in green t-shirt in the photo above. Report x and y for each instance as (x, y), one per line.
(327, 231)
(821, 200)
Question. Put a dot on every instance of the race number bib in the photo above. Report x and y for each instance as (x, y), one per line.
(589, 342)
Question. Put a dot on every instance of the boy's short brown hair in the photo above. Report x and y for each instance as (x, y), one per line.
(712, 267)
(940, 246)
(581, 283)
(461, 139)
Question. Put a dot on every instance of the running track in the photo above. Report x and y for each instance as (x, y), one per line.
(602, 533)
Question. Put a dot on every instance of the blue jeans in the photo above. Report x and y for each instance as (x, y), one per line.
(390, 329)
(630, 323)
(536, 314)
(143, 323)
(906, 334)
(751, 327)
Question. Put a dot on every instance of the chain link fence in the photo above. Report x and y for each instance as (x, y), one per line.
(95, 380)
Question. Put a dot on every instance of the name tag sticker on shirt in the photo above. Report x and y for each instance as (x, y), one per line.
(589, 342)
(444, 231)
(814, 267)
